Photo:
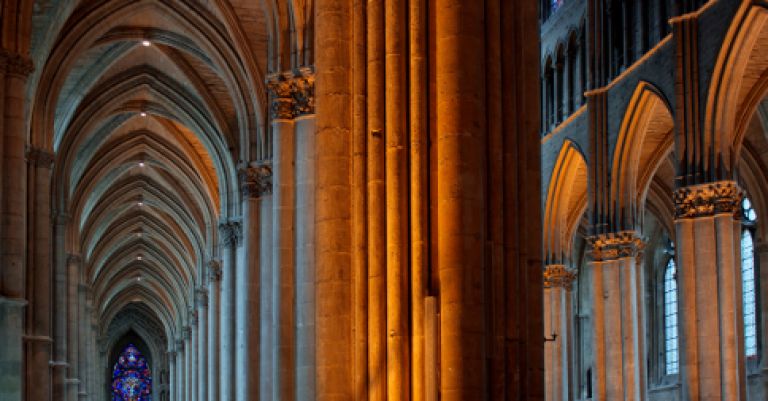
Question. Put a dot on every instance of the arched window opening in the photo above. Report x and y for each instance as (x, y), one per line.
(131, 376)
(671, 342)
(749, 287)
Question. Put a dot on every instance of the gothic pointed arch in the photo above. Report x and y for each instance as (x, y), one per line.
(645, 139)
(565, 204)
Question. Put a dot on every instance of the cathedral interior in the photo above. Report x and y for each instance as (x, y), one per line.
(383, 200)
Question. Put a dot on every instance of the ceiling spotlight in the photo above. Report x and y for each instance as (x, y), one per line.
(146, 43)
(140, 204)
(141, 164)
(139, 257)
(143, 114)
(139, 235)
(138, 278)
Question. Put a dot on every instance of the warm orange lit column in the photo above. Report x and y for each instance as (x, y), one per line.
(460, 200)
(396, 142)
(617, 321)
(419, 191)
(283, 248)
(377, 241)
(708, 259)
(39, 316)
(14, 69)
(558, 280)
(333, 311)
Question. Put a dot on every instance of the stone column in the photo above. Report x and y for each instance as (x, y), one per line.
(761, 274)
(214, 291)
(188, 370)
(305, 224)
(172, 376)
(14, 69)
(460, 196)
(333, 312)
(194, 348)
(201, 301)
(284, 199)
(619, 352)
(180, 364)
(74, 267)
(59, 366)
(231, 236)
(708, 234)
(558, 321)
(39, 340)
(256, 181)
(82, 339)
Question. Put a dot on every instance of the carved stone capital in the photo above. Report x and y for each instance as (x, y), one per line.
(15, 64)
(305, 91)
(614, 246)
(214, 271)
(559, 276)
(256, 181)
(187, 332)
(74, 259)
(722, 197)
(171, 355)
(193, 317)
(40, 158)
(231, 233)
(201, 297)
(281, 88)
(180, 342)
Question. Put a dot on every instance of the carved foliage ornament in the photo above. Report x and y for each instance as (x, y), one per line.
(40, 158)
(256, 181)
(722, 197)
(559, 276)
(15, 64)
(292, 94)
(214, 271)
(614, 246)
(231, 233)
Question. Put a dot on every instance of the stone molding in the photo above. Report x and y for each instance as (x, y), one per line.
(15, 64)
(74, 258)
(231, 233)
(722, 197)
(180, 342)
(171, 356)
(559, 276)
(214, 271)
(256, 181)
(40, 158)
(186, 332)
(193, 317)
(201, 297)
(612, 246)
(292, 93)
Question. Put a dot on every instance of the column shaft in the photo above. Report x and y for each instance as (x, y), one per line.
(305, 261)
(333, 311)
(284, 199)
(377, 240)
(214, 291)
(227, 316)
(202, 345)
(708, 258)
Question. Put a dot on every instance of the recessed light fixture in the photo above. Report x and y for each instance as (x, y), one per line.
(143, 114)
(140, 204)
(139, 258)
(141, 164)
(138, 278)
(139, 235)
(146, 43)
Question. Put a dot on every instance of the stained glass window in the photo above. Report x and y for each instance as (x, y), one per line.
(748, 280)
(131, 377)
(557, 4)
(671, 360)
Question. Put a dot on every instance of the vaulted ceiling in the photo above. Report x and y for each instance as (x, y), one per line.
(150, 107)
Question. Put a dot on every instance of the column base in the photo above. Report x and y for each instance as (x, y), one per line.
(11, 348)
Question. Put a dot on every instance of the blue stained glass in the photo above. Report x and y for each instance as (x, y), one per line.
(557, 4)
(750, 306)
(131, 377)
(672, 360)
